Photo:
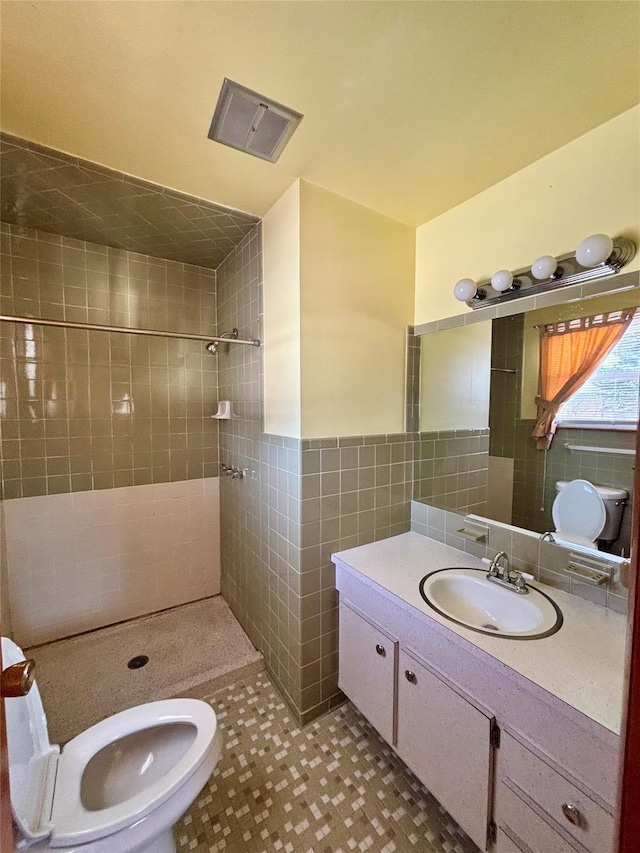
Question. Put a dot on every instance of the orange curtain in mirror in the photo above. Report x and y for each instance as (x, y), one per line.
(570, 352)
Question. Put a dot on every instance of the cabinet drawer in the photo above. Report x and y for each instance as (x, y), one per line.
(505, 845)
(577, 814)
(367, 670)
(445, 740)
(530, 833)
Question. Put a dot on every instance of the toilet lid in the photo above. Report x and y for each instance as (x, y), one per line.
(578, 512)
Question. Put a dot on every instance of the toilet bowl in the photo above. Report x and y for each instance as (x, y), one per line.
(584, 513)
(117, 787)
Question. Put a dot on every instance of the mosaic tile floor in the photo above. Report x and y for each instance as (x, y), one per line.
(332, 787)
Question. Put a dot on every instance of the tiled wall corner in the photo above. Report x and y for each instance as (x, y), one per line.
(259, 543)
(354, 490)
(412, 382)
(299, 502)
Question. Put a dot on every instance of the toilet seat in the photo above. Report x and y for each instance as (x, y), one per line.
(51, 805)
(578, 513)
(72, 822)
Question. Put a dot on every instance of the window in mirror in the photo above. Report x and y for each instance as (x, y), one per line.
(478, 387)
(610, 396)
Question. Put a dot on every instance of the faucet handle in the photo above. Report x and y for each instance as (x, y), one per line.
(519, 579)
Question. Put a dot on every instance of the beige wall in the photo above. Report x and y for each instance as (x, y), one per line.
(357, 279)
(281, 296)
(455, 373)
(338, 296)
(590, 185)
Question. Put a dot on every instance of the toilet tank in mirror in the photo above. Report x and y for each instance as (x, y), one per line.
(478, 389)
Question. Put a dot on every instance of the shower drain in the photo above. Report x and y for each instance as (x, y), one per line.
(138, 661)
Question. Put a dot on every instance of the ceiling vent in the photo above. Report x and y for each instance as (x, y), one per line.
(250, 122)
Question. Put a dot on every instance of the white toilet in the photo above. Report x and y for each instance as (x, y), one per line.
(116, 788)
(584, 513)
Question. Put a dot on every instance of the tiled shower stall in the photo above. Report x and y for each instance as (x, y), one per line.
(113, 502)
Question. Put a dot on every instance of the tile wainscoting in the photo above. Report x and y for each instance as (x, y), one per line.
(83, 560)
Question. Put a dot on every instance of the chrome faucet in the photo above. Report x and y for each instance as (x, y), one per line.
(500, 572)
(499, 566)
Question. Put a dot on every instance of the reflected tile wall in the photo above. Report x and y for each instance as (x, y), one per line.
(546, 561)
(84, 410)
(532, 509)
(451, 469)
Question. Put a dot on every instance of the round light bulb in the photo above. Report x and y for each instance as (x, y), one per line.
(594, 250)
(465, 289)
(501, 280)
(544, 267)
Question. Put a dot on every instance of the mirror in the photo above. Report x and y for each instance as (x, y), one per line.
(477, 412)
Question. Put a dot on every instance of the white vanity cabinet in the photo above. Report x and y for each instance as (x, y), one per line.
(440, 735)
(542, 811)
(368, 663)
(446, 741)
(519, 769)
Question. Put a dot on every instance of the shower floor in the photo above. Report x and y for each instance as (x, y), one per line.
(193, 650)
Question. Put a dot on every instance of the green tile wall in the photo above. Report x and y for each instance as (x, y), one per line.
(450, 469)
(90, 409)
(507, 337)
(603, 469)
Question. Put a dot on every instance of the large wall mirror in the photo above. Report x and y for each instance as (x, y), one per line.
(478, 387)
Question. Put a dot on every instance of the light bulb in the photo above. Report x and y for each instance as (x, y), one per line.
(465, 289)
(544, 267)
(594, 250)
(501, 280)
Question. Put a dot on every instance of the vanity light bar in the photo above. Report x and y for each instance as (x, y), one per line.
(596, 257)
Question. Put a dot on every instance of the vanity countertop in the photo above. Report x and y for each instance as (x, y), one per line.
(582, 664)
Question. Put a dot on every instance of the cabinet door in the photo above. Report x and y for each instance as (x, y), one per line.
(445, 740)
(367, 670)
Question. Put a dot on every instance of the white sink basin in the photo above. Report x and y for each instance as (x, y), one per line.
(466, 596)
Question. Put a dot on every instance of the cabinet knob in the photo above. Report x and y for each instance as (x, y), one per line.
(572, 813)
(410, 676)
(380, 649)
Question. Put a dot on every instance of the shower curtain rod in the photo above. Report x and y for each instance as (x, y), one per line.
(96, 327)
